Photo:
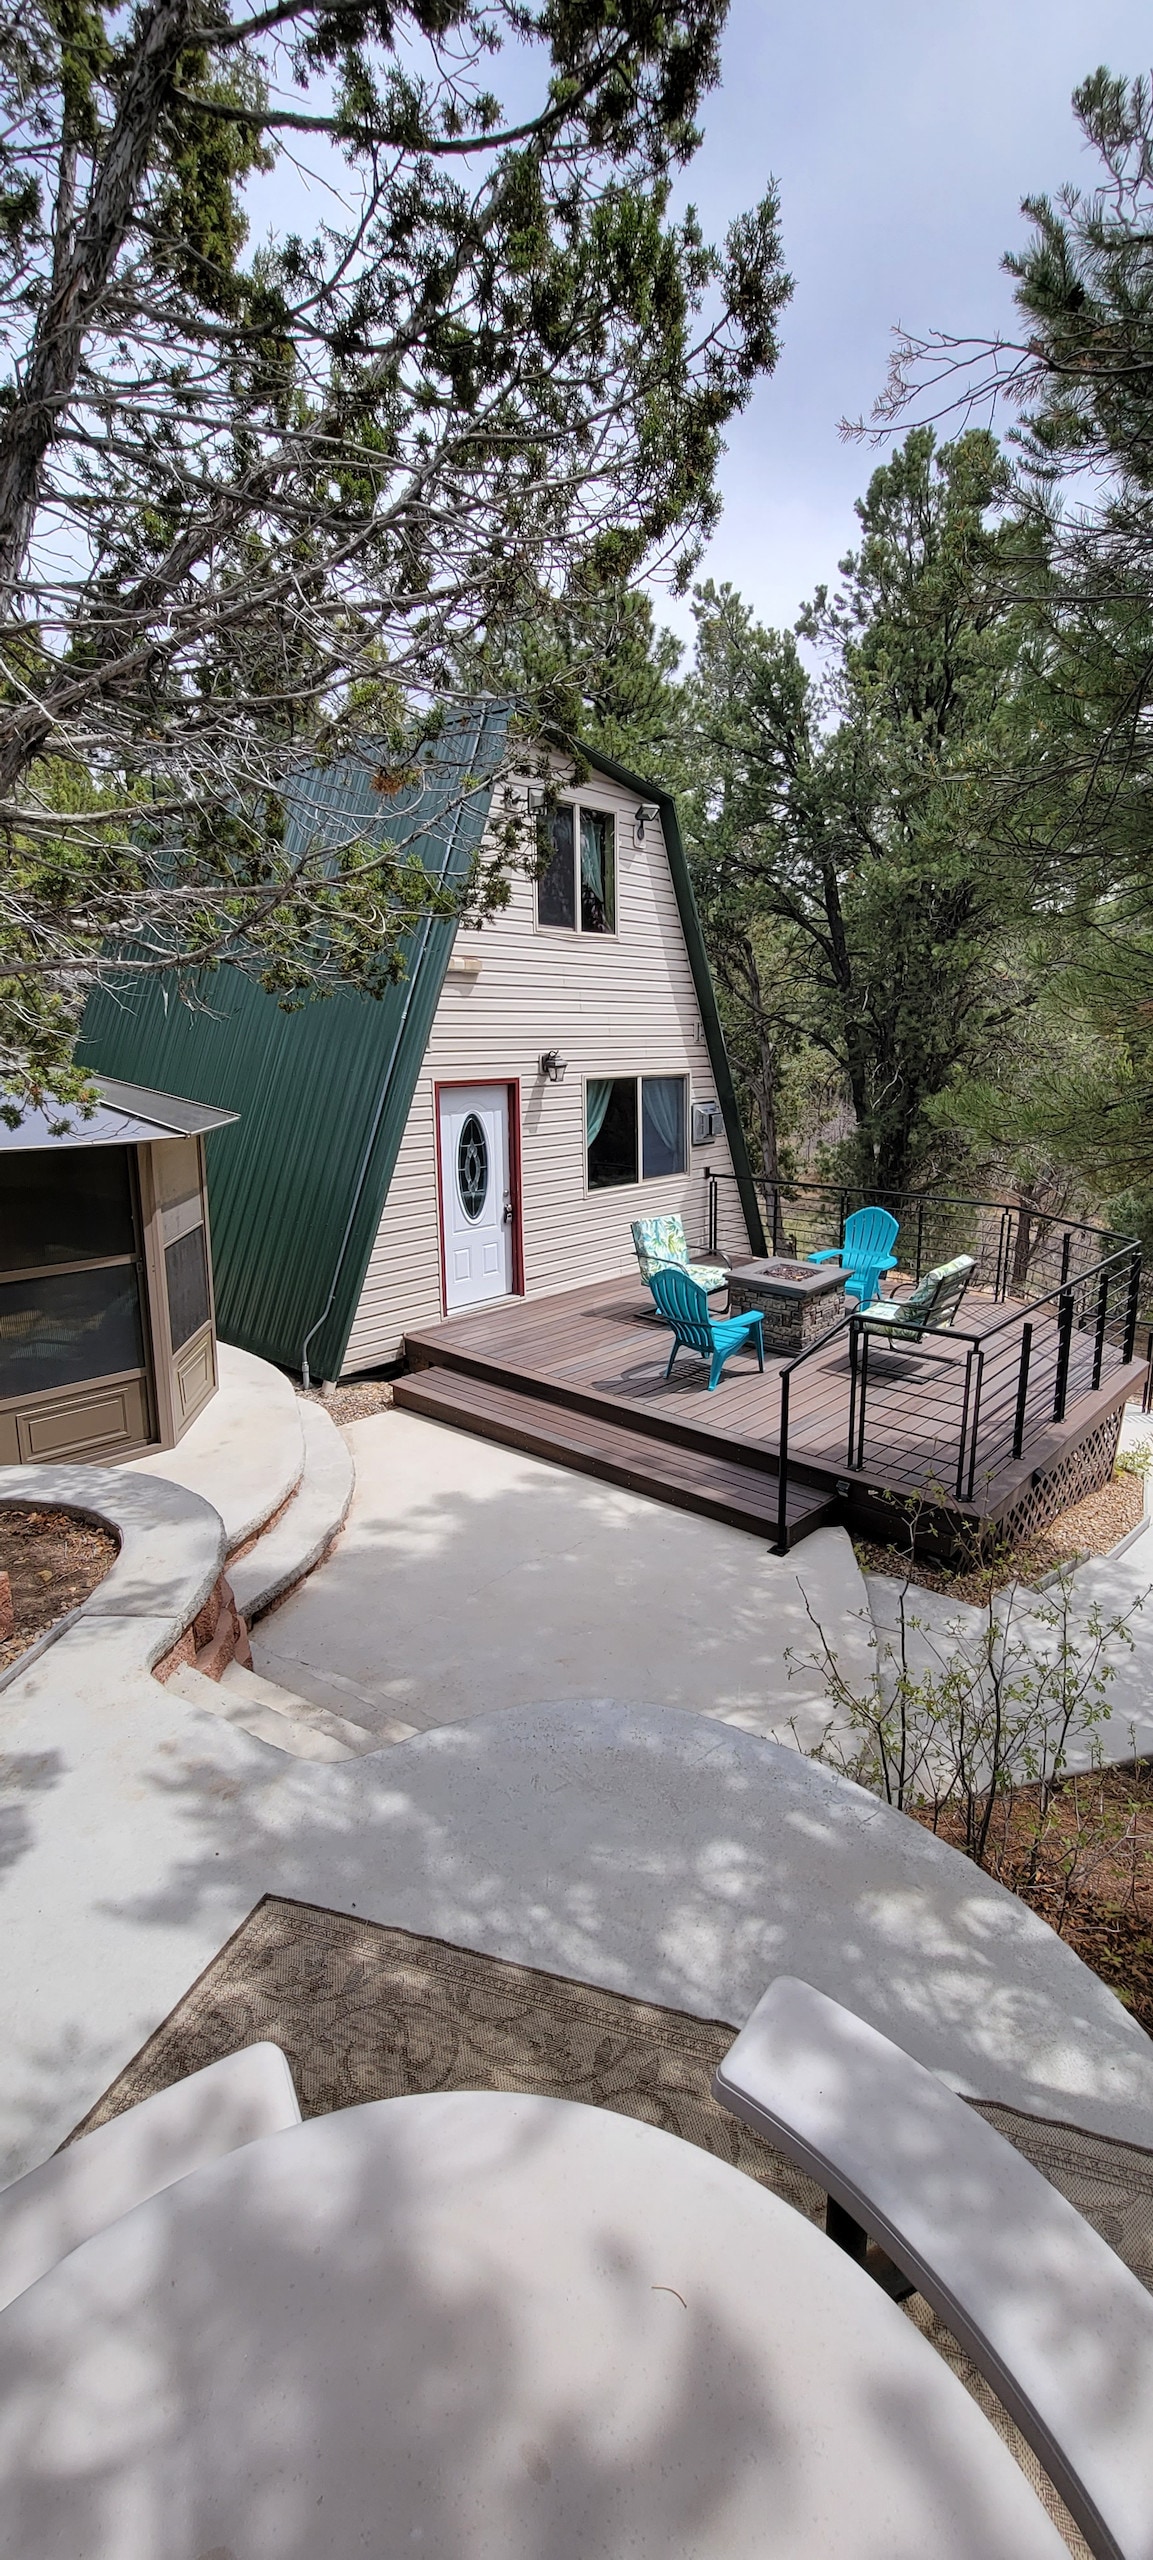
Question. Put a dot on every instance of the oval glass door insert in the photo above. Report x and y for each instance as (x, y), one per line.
(472, 1167)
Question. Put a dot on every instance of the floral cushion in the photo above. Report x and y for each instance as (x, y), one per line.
(659, 1240)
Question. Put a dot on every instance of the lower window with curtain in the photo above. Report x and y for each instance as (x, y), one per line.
(662, 1124)
(634, 1128)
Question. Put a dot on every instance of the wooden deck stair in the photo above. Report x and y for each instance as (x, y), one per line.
(742, 1492)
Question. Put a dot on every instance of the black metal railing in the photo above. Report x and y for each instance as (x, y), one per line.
(1070, 1293)
(1004, 1383)
(1019, 1252)
(786, 1376)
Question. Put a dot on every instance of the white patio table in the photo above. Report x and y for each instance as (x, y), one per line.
(485, 2328)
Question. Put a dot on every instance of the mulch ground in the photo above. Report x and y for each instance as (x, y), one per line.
(1092, 1878)
(356, 1401)
(53, 1562)
(1090, 1527)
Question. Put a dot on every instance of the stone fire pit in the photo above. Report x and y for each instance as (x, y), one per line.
(800, 1301)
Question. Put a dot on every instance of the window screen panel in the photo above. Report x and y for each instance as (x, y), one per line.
(598, 872)
(663, 1124)
(556, 887)
(611, 1125)
(68, 1327)
(75, 1206)
(186, 1271)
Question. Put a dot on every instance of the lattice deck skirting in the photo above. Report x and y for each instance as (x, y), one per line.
(1083, 1471)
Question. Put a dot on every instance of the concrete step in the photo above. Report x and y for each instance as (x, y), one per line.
(274, 1715)
(245, 1452)
(327, 1688)
(316, 1513)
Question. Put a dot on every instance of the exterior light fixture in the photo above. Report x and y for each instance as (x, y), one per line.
(553, 1066)
(646, 816)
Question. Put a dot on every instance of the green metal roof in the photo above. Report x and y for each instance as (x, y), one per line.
(297, 1189)
(323, 1095)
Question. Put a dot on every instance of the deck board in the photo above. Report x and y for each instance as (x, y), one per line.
(597, 1353)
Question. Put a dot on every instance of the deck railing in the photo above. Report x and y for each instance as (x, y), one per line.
(1058, 1280)
(1019, 1252)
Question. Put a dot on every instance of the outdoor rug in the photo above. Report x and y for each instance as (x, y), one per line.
(364, 2011)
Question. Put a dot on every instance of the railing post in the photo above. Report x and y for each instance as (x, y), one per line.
(850, 1460)
(1022, 1389)
(1066, 1250)
(961, 1496)
(1147, 1398)
(782, 1545)
(920, 1234)
(776, 1217)
(1102, 1319)
(1064, 1346)
(714, 1187)
(1004, 1258)
(1131, 1302)
(859, 1460)
(975, 1425)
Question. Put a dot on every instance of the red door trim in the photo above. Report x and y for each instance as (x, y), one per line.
(459, 1084)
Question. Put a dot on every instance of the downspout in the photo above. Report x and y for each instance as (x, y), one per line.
(378, 1115)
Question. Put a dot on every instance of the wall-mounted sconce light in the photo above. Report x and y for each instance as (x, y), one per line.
(553, 1066)
(646, 816)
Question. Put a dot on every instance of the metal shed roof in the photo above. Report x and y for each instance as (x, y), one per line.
(127, 1115)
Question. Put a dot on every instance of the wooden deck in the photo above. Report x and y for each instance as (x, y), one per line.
(579, 1378)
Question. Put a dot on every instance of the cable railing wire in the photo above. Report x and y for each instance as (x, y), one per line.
(1060, 1281)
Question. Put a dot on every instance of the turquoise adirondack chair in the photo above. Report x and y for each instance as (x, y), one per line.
(684, 1305)
(866, 1253)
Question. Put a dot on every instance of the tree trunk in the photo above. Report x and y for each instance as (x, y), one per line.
(81, 271)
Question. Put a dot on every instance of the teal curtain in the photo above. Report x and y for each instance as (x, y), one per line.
(663, 1116)
(597, 885)
(598, 1092)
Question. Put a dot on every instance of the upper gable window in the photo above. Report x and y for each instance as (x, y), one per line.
(577, 892)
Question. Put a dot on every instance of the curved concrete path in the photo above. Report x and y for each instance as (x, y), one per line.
(648, 1849)
(245, 1453)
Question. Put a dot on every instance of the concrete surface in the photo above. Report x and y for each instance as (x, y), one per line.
(313, 1519)
(171, 1550)
(258, 1706)
(245, 1453)
(481, 2326)
(58, 2206)
(470, 1577)
(652, 1851)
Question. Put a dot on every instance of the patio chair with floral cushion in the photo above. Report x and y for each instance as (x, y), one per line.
(930, 1308)
(662, 1241)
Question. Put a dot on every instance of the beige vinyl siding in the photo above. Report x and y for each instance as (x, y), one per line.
(614, 1005)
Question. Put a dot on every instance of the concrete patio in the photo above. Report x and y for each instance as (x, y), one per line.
(581, 1794)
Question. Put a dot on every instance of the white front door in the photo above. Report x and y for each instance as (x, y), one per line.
(477, 1209)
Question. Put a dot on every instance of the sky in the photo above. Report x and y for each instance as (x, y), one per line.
(903, 136)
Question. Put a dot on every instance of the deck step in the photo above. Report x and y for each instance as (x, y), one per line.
(741, 1496)
(651, 1420)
